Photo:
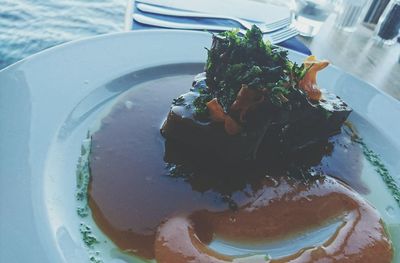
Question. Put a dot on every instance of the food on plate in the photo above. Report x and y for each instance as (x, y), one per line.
(245, 158)
(259, 96)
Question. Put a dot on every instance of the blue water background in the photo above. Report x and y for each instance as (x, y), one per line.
(29, 26)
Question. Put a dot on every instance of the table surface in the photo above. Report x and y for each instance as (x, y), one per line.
(359, 54)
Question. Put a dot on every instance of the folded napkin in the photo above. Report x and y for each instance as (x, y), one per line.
(247, 10)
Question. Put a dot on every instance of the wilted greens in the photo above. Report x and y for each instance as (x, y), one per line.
(234, 59)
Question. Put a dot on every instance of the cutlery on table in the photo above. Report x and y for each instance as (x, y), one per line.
(159, 10)
(274, 37)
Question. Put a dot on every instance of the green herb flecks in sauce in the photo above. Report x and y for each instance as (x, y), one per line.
(82, 184)
(374, 159)
(82, 179)
(381, 169)
(87, 235)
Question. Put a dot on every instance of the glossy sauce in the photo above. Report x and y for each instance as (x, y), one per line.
(133, 191)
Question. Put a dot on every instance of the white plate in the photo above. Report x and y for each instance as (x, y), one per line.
(48, 102)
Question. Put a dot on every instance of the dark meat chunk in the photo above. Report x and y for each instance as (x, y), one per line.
(270, 130)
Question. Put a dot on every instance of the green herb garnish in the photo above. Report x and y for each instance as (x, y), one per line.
(235, 59)
(87, 236)
(381, 169)
(83, 210)
(200, 105)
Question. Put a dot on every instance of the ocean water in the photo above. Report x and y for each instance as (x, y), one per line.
(29, 26)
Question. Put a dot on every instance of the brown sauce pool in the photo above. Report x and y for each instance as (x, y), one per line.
(133, 190)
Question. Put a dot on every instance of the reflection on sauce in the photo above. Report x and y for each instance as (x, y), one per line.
(133, 192)
(288, 207)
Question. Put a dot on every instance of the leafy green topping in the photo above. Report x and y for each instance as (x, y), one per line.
(234, 60)
(199, 103)
(297, 72)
